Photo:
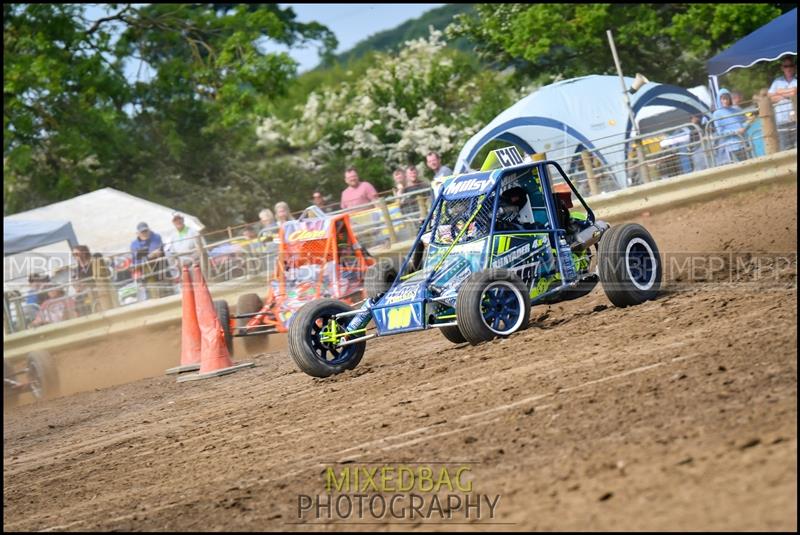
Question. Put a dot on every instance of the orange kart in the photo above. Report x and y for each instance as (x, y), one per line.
(317, 258)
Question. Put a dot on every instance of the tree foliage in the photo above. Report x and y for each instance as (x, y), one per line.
(72, 122)
(667, 42)
(427, 97)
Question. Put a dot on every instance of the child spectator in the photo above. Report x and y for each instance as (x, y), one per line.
(57, 307)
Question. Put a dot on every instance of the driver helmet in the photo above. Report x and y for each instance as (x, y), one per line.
(511, 202)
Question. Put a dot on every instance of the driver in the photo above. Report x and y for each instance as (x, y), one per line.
(511, 202)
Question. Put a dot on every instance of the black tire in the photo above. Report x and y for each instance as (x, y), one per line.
(249, 304)
(10, 393)
(417, 258)
(379, 278)
(630, 265)
(305, 347)
(224, 316)
(42, 375)
(470, 306)
(453, 334)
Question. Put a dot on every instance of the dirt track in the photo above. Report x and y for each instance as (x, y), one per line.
(676, 414)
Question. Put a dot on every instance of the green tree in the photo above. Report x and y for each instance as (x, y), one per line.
(72, 122)
(667, 42)
(63, 99)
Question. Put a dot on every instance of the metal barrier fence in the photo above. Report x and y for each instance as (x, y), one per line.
(238, 253)
(222, 255)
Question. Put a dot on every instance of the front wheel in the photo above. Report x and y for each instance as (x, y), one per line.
(250, 304)
(313, 337)
(493, 302)
(630, 265)
(379, 278)
(42, 375)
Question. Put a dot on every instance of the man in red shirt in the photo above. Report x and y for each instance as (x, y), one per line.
(356, 193)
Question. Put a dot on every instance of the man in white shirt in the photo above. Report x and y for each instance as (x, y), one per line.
(182, 243)
(781, 91)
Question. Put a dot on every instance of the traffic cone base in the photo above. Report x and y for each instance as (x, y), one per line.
(183, 369)
(215, 373)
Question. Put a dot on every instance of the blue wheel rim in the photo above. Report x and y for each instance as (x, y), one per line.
(641, 264)
(501, 308)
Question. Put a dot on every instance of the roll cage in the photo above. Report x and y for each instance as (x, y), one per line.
(539, 190)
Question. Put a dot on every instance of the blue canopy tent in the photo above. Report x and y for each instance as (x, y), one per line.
(21, 236)
(768, 43)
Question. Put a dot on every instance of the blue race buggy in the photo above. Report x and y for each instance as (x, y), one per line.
(494, 243)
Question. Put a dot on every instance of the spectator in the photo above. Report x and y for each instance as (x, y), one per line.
(435, 164)
(267, 218)
(413, 183)
(410, 204)
(82, 278)
(696, 142)
(283, 213)
(183, 242)
(399, 177)
(440, 172)
(146, 248)
(729, 130)
(37, 282)
(357, 192)
(319, 201)
(249, 233)
(269, 227)
(57, 307)
(781, 91)
(750, 116)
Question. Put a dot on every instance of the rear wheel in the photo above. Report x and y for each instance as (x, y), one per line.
(493, 302)
(379, 278)
(42, 375)
(453, 334)
(311, 344)
(250, 304)
(224, 316)
(630, 265)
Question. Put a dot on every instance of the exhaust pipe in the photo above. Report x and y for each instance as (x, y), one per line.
(589, 236)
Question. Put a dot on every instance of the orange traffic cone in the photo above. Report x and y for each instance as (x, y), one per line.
(190, 330)
(214, 357)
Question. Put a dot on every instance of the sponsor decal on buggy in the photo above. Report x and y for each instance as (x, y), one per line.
(404, 292)
(445, 275)
(468, 185)
(507, 256)
(398, 318)
(315, 229)
(305, 235)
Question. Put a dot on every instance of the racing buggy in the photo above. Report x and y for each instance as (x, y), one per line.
(318, 257)
(496, 242)
(39, 377)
